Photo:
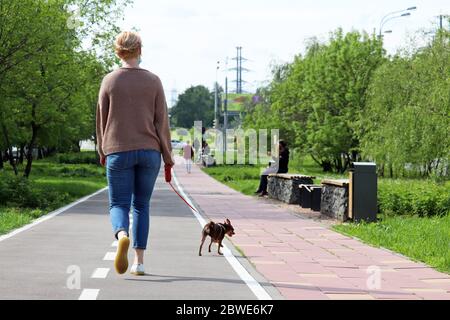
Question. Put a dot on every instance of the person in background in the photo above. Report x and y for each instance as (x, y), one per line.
(188, 155)
(283, 167)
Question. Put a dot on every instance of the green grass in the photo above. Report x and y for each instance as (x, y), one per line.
(13, 218)
(69, 181)
(244, 179)
(425, 239)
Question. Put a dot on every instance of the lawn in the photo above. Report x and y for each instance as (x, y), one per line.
(51, 185)
(425, 239)
(416, 212)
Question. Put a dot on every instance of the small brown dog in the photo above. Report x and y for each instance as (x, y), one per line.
(217, 232)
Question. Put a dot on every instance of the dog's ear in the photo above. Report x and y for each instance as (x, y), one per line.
(228, 222)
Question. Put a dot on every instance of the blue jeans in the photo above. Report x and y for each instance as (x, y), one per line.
(131, 178)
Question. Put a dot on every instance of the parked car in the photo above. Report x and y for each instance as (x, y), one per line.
(176, 144)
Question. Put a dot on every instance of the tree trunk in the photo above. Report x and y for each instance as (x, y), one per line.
(32, 143)
(326, 166)
(381, 171)
(30, 151)
(1, 160)
(11, 156)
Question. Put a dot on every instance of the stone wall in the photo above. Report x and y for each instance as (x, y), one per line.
(286, 190)
(334, 202)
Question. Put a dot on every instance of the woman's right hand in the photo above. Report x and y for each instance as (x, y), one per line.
(103, 161)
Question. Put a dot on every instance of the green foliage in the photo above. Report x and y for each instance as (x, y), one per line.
(20, 192)
(317, 100)
(49, 81)
(423, 239)
(13, 218)
(414, 197)
(77, 158)
(195, 104)
(406, 126)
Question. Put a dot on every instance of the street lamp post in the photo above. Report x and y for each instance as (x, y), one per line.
(395, 15)
(216, 97)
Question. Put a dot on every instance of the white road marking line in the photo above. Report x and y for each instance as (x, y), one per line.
(49, 216)
(100, 273)
(251, 282)
(115, 244)
(89, 294)
(109, 256)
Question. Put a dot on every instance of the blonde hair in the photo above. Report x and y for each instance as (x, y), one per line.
(128, 45)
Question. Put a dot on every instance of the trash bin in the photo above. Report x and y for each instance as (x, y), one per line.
(305, 196)
(310, 196)
(316, 198)
(363, 192)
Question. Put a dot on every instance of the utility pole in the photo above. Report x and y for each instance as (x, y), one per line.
(239, 70)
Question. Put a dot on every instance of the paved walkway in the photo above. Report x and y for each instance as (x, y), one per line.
(304, 259)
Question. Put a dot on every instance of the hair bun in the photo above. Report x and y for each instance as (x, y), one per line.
(127, 45)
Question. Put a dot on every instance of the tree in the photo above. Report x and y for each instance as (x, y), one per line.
(48, 81)
(317, 100)
(195, 104)
(407, 122)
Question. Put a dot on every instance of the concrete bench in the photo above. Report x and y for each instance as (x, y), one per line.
(285, 187)
(334, 200)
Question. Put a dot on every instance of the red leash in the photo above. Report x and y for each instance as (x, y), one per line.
(170, 184)
(168, 176)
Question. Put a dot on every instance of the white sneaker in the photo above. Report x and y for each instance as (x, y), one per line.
(138, 270)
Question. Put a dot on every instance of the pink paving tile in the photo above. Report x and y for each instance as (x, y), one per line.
(349, 272)
(433, 295)
(302, 294)
(424, 273)
(279, 273)
(301, 267)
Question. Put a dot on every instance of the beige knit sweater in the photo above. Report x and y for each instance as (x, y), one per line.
(132, 114)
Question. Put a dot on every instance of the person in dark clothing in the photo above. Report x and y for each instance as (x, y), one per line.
(283, 167)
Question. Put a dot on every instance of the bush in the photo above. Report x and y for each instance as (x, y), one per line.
(421, 198)
(77, 158)
(19, 192)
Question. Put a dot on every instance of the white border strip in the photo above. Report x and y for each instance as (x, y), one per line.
(89, 294)
(49, 216)
(251, 282)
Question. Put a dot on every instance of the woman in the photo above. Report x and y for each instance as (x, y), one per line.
(132, 133)
(283, 167)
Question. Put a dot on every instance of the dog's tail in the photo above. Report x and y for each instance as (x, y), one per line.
(208, 227)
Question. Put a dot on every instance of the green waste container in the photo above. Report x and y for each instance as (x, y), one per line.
(363, 192)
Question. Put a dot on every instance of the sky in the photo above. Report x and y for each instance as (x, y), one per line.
(184, 40)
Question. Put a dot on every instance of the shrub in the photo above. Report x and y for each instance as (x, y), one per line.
(421, 198)
(77, 158)
(19, 192)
